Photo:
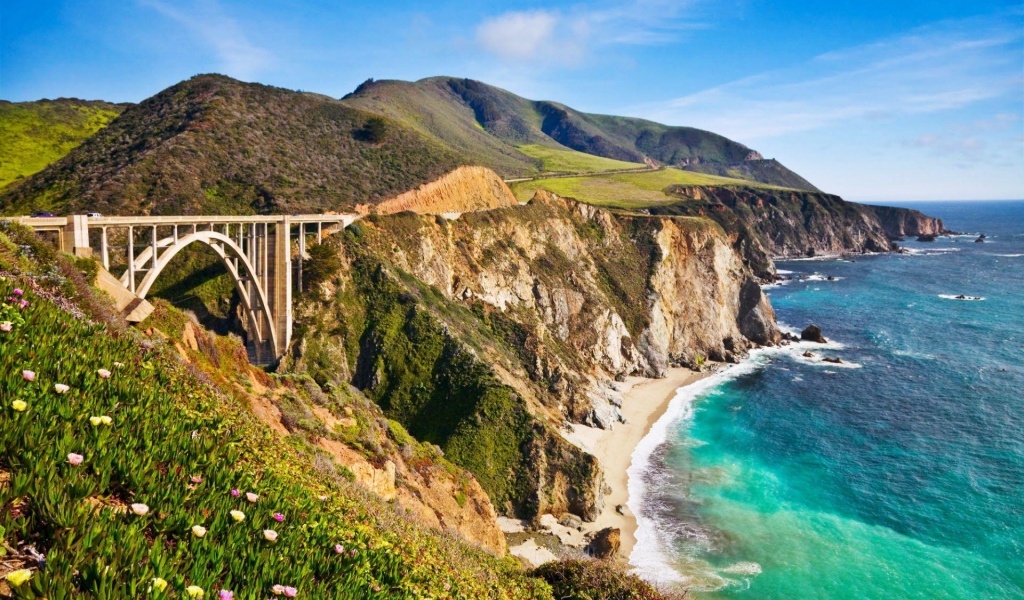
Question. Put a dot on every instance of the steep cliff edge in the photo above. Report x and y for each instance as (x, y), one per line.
(766, 224)
(486, 333)
(464, 189)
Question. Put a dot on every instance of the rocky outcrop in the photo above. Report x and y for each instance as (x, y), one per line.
(766, 224)
(812, 333)
(605, 543)
(905, 222)
(464, 189)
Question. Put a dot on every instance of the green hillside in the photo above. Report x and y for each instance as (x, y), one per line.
(570, 161)
(628, 190)
(179, 445)
(215, 145)
(212, 144)
(490, 123)
(35, 134)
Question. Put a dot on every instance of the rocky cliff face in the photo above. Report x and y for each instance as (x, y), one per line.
(464, 189)
(904, 222)
(485, 333)
(766, 224)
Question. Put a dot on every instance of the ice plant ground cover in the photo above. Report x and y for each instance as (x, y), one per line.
(167, 431)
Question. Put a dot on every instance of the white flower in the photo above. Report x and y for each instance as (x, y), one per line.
(140, 509)
(251, 497)
(198, 531)
(60, 388)
(270, 535)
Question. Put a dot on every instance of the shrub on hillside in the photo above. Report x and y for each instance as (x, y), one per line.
(594, 580)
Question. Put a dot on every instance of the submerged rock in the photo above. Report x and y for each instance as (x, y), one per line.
(812, 333)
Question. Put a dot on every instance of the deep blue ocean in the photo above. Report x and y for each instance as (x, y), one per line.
(898, 474)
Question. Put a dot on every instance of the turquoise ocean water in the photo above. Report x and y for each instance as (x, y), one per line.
(899, 474)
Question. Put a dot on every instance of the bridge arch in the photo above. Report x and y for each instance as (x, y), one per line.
(257, 309)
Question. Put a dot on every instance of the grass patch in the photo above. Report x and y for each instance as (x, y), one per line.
(628, 190)
(571, 161)
(35, 134)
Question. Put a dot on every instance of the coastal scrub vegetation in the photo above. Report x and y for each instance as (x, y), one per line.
(35, 134)
(135, 478)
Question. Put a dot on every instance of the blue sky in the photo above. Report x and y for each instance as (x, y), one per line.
(869, 100)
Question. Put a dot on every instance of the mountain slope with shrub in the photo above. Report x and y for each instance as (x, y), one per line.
(35, 134)
(490, 123)
(129, 470)
(214, 145)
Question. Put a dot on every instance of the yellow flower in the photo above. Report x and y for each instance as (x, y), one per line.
(16, 578)
(106, 420)
(19, 405)
(194, 591)
(238, 515)
(95, 421)
(159, 584)
(198, 530)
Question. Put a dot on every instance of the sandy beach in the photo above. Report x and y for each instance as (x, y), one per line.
(644, 402)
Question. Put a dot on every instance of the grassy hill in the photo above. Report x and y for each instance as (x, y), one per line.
(628, 190)
(490, 124)
(35, 134)
(213, 145)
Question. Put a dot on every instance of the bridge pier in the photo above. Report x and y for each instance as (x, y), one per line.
(258, 255)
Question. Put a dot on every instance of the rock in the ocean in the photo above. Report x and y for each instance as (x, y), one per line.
(833, 359)
(980, 240)
(926, 238)
(808, 354)
(605, 543)
(812, 333)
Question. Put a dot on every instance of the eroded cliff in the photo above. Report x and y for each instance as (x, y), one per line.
(766, 224)
(485, 333)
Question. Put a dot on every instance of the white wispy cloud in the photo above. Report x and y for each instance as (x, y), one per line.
(236, 54)
(567, 37)
(945, 66)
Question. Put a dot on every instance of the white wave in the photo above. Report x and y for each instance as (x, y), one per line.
(1006, 255)
(819, 277)
(743, 568)
(964, 299)
(819, 360)
(651, 554)
(912, 354)
(784, 272)
(929, 251)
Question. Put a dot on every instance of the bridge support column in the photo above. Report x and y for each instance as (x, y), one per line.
(76, 236)
(279, 280)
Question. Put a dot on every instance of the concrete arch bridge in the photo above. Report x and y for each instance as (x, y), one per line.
(263, 255)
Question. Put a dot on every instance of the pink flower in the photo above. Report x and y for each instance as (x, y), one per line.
(75, 459)
(290, 592)
(103, 373)
(29, 375)
(251, 497)
(196, 479)
(18, 292)
(279, 517)
(277, 589)
(270, 535)
(6, 326)
(226, 595)
(353, 552)
(339, 549)
(236, 493)
(23, 303)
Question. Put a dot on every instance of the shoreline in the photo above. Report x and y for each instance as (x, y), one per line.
(644, 401)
